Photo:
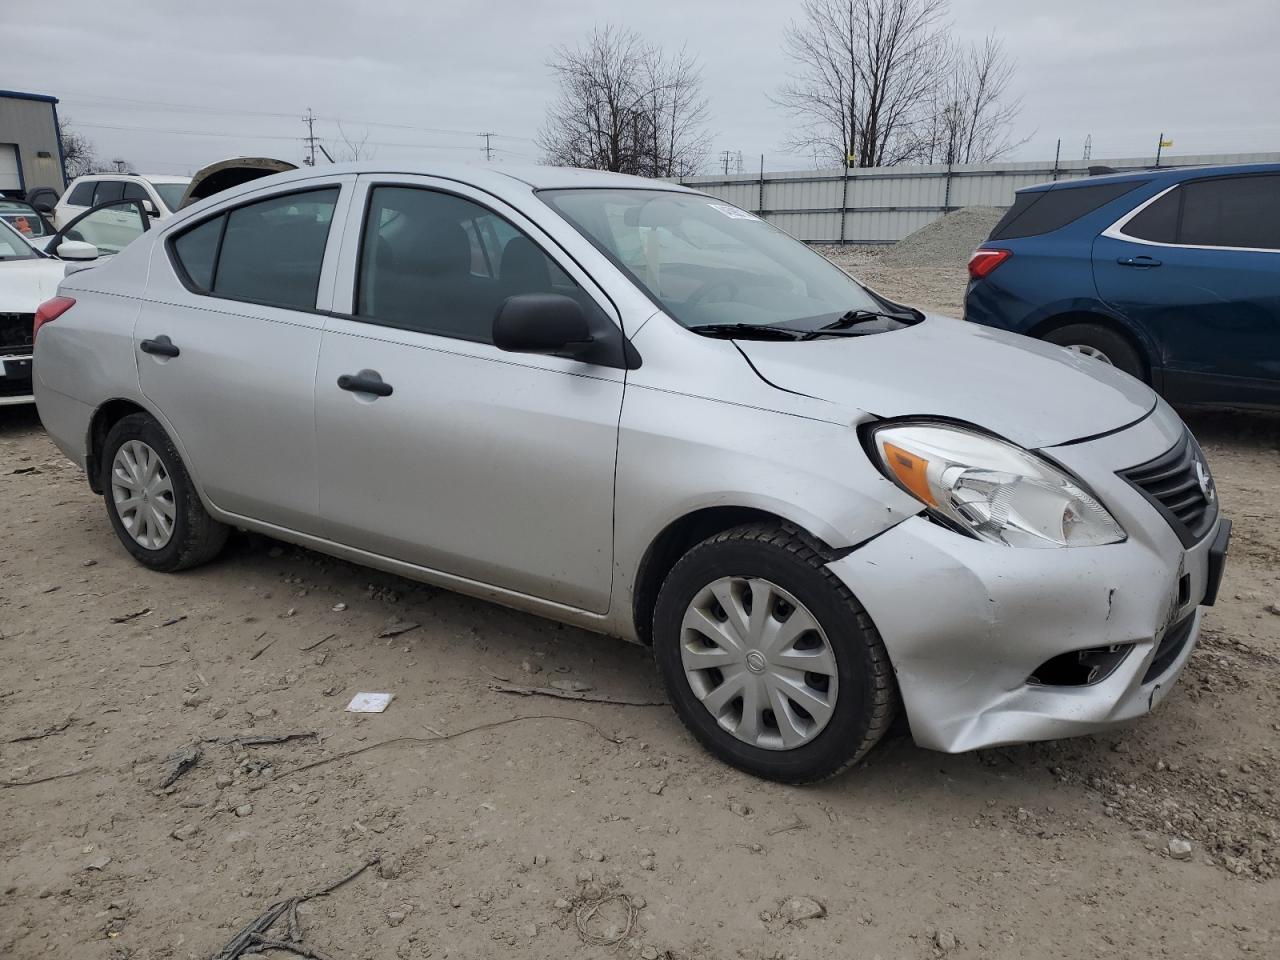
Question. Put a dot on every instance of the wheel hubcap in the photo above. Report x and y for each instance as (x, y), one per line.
(759, 662)
(143, 494)
(1088, 351)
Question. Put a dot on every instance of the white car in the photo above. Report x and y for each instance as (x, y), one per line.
(163, 193)
(31, 266)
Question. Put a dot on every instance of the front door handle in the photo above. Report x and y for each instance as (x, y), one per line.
(366, 381)
(161, 346)
(1138, 262)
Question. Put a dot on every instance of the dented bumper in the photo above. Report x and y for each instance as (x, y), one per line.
(968, 624)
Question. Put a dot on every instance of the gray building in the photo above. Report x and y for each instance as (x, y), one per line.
(30, 145)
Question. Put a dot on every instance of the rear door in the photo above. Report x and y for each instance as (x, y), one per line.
(495, 467)
(227, 340)
(1198, 267)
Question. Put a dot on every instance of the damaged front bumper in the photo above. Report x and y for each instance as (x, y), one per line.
(973, 629)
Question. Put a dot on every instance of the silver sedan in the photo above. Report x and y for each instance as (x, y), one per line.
(630, 407)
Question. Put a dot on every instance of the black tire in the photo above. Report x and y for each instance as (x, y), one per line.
(868, 696)
(196, 538)
(1117, 347)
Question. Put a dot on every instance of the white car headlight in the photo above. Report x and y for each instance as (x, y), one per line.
(992, 489)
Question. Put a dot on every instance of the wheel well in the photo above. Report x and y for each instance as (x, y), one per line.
(104, 418)
(676, 540)
(1050, 324)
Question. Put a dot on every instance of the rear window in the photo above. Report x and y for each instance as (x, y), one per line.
(82, 195)
(267, 252)
(1044, 211)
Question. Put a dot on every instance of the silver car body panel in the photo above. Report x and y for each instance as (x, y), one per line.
(542, 483)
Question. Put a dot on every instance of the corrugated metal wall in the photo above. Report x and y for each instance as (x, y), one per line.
(885, 204)
(30, 126)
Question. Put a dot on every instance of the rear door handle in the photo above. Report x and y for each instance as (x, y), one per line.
(161, 346)
(366, 381)
(1138, 262)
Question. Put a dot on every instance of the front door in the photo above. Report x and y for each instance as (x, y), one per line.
(1199, 269)
(227, 341)
(437, 448)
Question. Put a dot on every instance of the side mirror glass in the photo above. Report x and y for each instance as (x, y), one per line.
(77, 250)
(548, 323)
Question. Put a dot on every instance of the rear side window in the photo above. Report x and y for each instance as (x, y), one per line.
(1044, 211)
(268, 252)
(82, 195)
(1159, 221)
(107, 191)
(1232, 212)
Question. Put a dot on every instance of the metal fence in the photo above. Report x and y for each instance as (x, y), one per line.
(885, 204)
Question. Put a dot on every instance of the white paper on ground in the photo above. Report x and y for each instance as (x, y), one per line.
(369, 702)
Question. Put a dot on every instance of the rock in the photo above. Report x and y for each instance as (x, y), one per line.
(1274, 608)
(395, 917)
(222, 781)
(262, 713)
(562, 904)
(801, 908)
(185, 832)
(648, 952)
(539, 860)
(945, 940)
(648, 863)
(389, 868)
(195, 699)
(658, 787)
(244, 809)
(339, 607)
(592, 854)
(740, 809)
(97, 863)
(571, 686)
(530, 930)
(89, 563)
(1179, 849)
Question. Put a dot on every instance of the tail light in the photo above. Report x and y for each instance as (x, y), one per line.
(984, 261)
(49, 311)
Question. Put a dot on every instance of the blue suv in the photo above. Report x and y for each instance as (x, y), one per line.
(1171, 275)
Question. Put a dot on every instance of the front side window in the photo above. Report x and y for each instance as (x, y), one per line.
(268, 252)
(1232, 212)
(24, 218)
(110, 229)
(107, 191)
(12, 246)
(170, 193)
(135, 191)
(708, 262)
(441, 264)
(82, 195)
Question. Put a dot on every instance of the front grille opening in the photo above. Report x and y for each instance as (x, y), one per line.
(1177, 484)
(1170, 646)
(16, 332)
(1080, 668)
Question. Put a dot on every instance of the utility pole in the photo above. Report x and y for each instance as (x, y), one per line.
(1088, 147)
(1057, 155)
(310, 121)
(488, 150)
(726, 157)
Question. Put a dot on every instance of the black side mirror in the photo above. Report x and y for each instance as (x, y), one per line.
(541, 323)
(43, 204)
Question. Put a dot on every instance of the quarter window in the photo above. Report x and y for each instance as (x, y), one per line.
(268, 252)
(1232, 212)
(1159, 221)
(441, 264)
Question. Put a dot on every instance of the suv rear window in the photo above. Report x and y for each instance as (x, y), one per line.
(1044, 211)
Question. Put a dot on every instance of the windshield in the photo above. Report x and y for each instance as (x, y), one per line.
(12, 246)
(171, 193)
(23, 218)
(707, 262)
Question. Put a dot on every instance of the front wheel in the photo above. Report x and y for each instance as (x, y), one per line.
(152, 503)
(768, 657)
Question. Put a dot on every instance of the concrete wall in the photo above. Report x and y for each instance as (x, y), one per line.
(29, 122)
(885, 204)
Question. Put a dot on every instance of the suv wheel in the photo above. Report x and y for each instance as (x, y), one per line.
(769, 659)
(1100, 343)
(151, 501)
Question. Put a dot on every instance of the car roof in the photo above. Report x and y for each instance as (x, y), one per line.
(1161, 174)
(150, 177)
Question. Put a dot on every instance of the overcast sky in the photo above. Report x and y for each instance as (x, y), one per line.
(172, 86)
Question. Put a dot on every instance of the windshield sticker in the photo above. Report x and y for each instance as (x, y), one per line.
(733, 213)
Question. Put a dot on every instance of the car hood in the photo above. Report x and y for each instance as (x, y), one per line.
(1033, 393)
(25, 284)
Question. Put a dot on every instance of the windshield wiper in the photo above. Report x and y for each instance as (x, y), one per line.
(756, 331)
(843, 324)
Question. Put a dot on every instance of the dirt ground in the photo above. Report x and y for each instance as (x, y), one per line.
(498, 841)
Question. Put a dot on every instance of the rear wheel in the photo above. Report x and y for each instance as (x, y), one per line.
(769, 659)
(151, 500)
(1100, 343)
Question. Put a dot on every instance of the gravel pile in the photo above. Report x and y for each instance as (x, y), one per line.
(947, 241)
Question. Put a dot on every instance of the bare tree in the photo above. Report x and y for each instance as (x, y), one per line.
(627, 106)
(78, 154)
(351, 149)
(974, 111)
(865, 74)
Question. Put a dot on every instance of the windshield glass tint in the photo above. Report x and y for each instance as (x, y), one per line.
(170, 193)
(12, 246)
(708, 262)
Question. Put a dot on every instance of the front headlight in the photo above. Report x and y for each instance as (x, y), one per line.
(992, 489)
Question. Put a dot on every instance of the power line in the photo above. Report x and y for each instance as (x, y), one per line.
(488, 148)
